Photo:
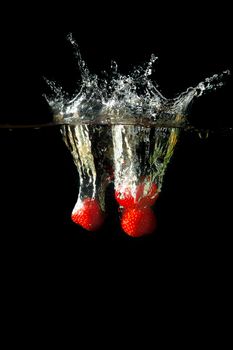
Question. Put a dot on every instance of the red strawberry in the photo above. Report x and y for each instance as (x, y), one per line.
(145, 195)
(124, 197)
(88, 214)
(137, 221)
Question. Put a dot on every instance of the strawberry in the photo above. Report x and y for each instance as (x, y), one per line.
(124, 197)
(145, 195)
(88, 214)
(137, 221)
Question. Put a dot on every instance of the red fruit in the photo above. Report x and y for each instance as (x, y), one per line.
(145, 195)
(88, 214)
(125, 197)
(137, 221)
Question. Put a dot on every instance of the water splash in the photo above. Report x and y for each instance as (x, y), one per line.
(120, 128)
(117, 98)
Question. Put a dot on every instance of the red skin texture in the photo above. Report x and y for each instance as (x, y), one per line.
(142, 197)
(137, 221)
(89, 215)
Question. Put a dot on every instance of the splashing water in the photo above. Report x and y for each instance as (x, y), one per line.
(121, 129)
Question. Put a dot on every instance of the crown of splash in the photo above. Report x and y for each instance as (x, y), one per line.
(119, 99)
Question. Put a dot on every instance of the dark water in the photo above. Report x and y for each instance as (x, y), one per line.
(39, 189)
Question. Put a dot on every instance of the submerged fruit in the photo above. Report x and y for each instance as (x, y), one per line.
(88, 214)
(137, 221)
(144, 195)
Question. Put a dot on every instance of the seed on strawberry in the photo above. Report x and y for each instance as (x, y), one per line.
(137, 221)
(88, 214)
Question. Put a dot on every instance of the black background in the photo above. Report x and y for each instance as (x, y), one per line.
(180, 277)
(38, 179)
